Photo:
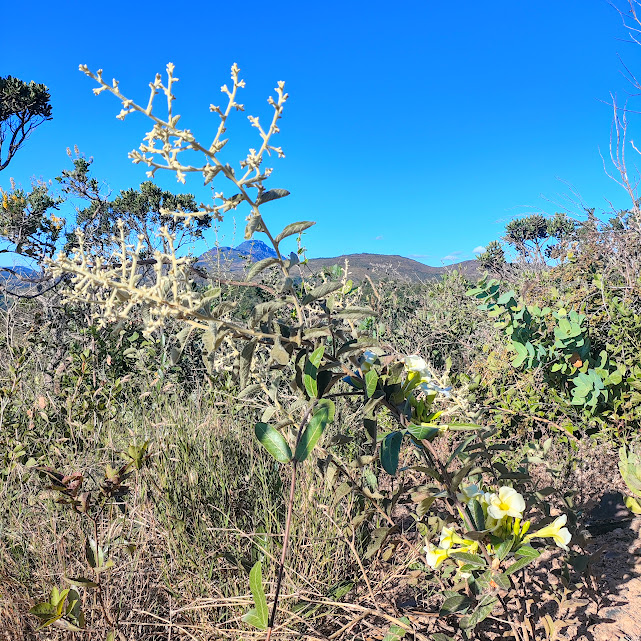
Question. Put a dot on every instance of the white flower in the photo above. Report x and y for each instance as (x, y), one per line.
(468, 493)
(415, 363)
(508, 502)
(555, 530)
(435, 556)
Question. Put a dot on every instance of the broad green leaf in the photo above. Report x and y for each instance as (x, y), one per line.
(258, 615)
(527, 551)
(477, 514)
(527, 554)
(259, 266)
(504, 548)
(293, 228)
(458, 603)
(484, 609)
(632, 504)
(322, 291)
(469, 559)
(390, 449)
(371, 381)
(323, 415)
(502, 580)
(43, 610)
(311, 371)
(421, 432)
(378, 536)
(273, 442)
(395, 632)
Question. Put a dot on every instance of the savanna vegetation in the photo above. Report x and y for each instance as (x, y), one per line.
(295, 455)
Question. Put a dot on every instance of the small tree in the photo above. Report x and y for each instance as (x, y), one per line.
(23, 107)
(493, 258)
(138, 211)
(531, 236)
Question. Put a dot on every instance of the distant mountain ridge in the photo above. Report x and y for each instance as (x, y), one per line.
(360, 266)
(235, 260)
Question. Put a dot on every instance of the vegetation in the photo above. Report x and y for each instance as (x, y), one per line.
(23, 107)
(297, 455)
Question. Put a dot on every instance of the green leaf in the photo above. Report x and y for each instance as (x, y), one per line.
(422, 432)
(259, 266)
(323, 415)
(293, 228)
(273, 442)
(311, 371)
(395, 632)
(504, 548)
(43, 610)
(502, 580)
(371, 381)
(258, 615)
(96, 556)
(390, 449)
(377, 539)
(527, 551)
(486, 605)
(518, 565)
(477, 514)
(469, 559)
(322, 291)
(458, 603)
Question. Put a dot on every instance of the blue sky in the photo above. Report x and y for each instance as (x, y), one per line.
(417, 130)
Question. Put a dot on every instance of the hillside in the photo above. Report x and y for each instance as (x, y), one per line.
(377, 266)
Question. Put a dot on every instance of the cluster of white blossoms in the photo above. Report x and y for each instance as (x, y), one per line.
(503, 514)
(420, 376)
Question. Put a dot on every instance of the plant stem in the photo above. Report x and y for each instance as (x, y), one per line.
(288, 524)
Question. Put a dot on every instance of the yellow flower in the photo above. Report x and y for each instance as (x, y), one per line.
(449, 538)
(556, 531)
(508, 502)
(435, 556)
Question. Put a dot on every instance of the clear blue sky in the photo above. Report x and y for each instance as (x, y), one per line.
(416, 130)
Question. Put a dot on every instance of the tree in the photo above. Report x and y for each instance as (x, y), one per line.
(23, 107)
(137, 211)
(531, 236)
(493, 258)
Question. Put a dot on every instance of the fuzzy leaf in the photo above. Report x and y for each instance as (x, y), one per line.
(258, 615)
(261, 265)
(390, 449)
(293, 228)
(311, 371)
(273, 442)
(323, 415)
